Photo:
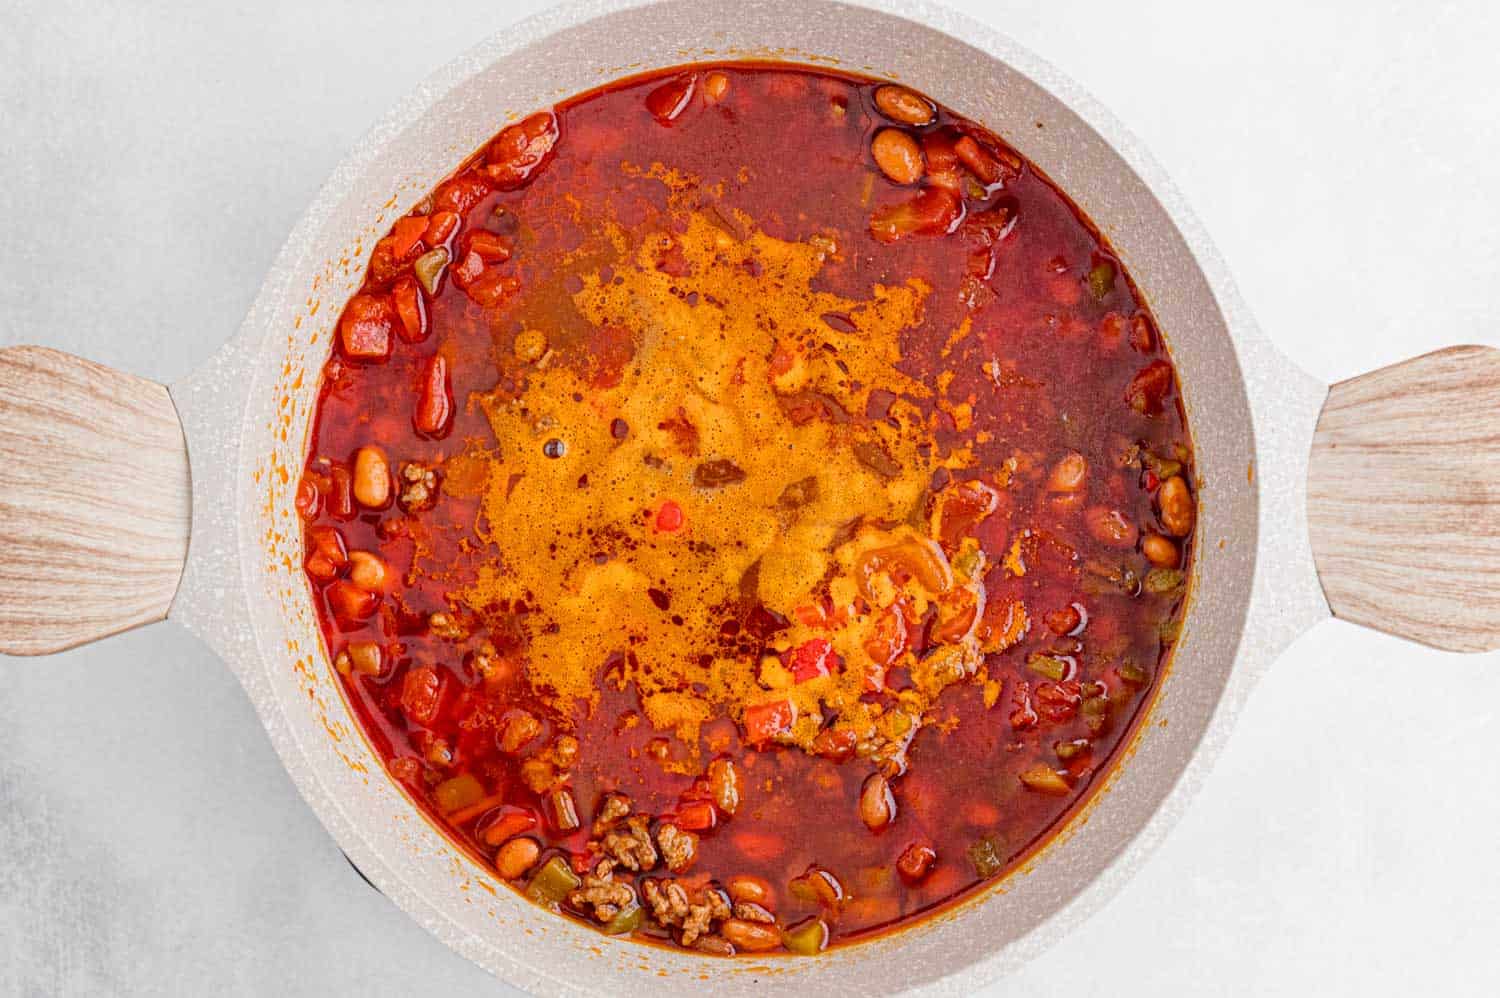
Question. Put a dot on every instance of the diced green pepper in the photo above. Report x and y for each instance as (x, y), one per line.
(988, 856)
(1132, 673)
(553, 882)
(458, 792)
(1095, 712)
(1050, 666)
(1163, 581)
(1072, 749)
(807, 938)
(1169, 630)
(628, 920)
(1101, 279)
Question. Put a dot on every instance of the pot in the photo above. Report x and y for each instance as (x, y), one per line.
(1352, 501)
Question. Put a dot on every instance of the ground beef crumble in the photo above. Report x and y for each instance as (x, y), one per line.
(694, 915)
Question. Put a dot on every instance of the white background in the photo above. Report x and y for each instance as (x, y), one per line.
(153, 155)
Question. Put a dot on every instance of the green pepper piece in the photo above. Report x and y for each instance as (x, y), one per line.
(628, 920)
(553, 882)
(1133, 674)
(1163, 581)
(1101, 279)
(1050, 666)
(988, 856)
(807, 938)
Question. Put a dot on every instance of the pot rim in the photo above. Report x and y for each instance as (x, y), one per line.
(221, 566)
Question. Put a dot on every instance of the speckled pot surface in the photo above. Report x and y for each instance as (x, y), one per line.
(246, 419)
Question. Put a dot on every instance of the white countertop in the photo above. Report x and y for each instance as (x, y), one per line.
(153, 155)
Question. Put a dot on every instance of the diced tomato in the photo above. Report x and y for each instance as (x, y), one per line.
(915, 862)
(421, 693)
(435, 403)
(470, 265)
(340, 499)
(961, 506)
(522, 149)
(697, 816)
(350, 604)
(366, 326)
(670, 99)
(835, 743)
(815, 615)
(1149, 387)
(491, 248)
(440, 228)
(888, 641)
(326, 553)
(810, 660)
(492, 287)
(977, 159)
(310, 490)
(669, 517)
(1058, 702)
(942, 161)
(461, 193)
(1142, 339)
(410, 309)
(764, 721)
(933, 211)
(1022, 714)
(406, 236)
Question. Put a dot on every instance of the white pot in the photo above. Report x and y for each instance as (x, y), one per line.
(245, 417)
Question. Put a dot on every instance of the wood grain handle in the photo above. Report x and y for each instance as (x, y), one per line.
(1404, 499)
(95, 501)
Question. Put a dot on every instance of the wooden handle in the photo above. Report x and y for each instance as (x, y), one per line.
(1404, 499)
(95, 504)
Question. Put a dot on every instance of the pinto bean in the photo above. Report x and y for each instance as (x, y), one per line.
(898, 156)
(906, 106)
(516, 857)
(372, 478)
(877, 805)
(1159, 551)
(751, 937)
(369, 571)
(1176, 506)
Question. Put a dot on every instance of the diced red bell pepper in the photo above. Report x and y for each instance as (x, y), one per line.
(764, 721)
(410, 309)
(365, 328)
(435, 403)
(421, 693)
(811, 659)
(522, 149)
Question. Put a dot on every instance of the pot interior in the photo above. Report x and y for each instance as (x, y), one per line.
(975, 73)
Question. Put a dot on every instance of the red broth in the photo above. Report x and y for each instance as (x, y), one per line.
(748, 507)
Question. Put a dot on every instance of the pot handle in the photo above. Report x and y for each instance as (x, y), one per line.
(1404, 499)
(95, 501)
